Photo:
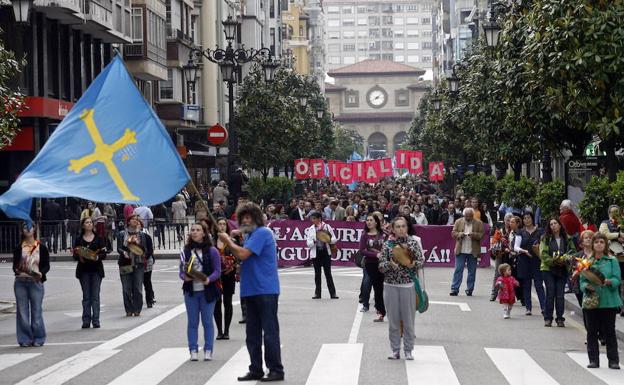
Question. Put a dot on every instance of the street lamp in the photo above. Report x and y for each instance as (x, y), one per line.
(229, 28)
(492, 33)
(303, 101)
(453, 80)
(270, 67)
(21, 10)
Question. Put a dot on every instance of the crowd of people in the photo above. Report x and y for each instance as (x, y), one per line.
(214, 257)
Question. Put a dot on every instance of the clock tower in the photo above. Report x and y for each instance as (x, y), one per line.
(377, 98)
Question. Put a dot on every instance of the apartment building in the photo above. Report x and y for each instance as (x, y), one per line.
(397, 30)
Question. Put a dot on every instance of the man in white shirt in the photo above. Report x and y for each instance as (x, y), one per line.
(467, 233)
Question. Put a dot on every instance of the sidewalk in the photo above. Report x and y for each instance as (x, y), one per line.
(66, 256)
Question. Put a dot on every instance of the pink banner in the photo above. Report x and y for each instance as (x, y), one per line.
(438, 245)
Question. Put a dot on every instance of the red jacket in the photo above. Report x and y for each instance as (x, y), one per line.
(571, 224)
(506, 292)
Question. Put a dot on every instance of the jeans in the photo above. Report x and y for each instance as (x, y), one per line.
(555, 288)
(601, 322)
(197, 305)
(376, 280)
(149, 289)
(538, 282)
(497, 262)
(323, 259)
(461, 260)
(90, 284)
(365, 289)
(132, 287)
(262, 318)
(29, 315)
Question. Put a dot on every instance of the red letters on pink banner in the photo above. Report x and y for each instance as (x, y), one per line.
(302, 169)
(317, 168)
(345, 176)
(386, 167)
(359, 170)
(436, 171)
(411, 160)
(401, 158)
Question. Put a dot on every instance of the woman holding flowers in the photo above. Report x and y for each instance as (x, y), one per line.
(601, 312)
(555, 250)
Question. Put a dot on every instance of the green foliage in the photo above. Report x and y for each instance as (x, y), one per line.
(520, 193)
(480, 185)
(502, 185)
(11, 100)
(617, 190)
(595, 203)
(279, 188)
(549, 198)
(347, 140)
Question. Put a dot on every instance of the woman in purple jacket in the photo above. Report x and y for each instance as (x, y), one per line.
(371, 242)
(199, 257)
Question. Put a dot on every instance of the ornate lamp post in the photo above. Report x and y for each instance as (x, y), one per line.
(453, 80)
(230, 61)
(491, 28)
(21, 10)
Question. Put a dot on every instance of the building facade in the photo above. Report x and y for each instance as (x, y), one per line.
(378, 99)
(397, 30)
(295, 34)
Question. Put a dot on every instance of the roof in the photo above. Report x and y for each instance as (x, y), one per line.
(375, 116)
(376, 67)
(333, 88)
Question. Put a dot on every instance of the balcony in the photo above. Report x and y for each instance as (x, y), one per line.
(297, 41)
(100, 15)
(66, 11)
(176, 34)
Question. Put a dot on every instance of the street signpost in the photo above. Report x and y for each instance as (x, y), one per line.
(217, 134)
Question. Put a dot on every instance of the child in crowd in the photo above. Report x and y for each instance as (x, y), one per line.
(506, 293)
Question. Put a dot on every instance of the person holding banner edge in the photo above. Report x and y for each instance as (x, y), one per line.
(320, 239)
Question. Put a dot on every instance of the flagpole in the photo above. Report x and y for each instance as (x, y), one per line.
(201, 199)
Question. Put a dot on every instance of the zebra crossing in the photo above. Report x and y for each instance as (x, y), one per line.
(336, 271)
(335, 364)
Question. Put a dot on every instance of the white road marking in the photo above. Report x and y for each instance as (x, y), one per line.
(69, 368)
(336, 364)
(610, 376)
(431, 366)
(8, 360)
(355, 329)
(463, 306)
(76, 314)
(142, 329)
(61, 343)
(518, 367)
(237, 365)
(155, 368)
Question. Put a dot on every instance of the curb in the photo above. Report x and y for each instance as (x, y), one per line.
(7, 307)
(572, 304)
(7, 258)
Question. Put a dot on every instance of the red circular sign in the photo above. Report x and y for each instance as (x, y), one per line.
(217, 134)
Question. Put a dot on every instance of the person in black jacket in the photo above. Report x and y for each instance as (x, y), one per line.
(132, 246)
(89, 250)
(31, 262)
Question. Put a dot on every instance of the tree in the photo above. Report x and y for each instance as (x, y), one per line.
(11, 101)
(347, 140)
(593, 207)
(480, 185)
(549, 198)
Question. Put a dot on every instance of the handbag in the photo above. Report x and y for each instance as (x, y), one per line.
(422, 298)
(591, 300)
(358, 258)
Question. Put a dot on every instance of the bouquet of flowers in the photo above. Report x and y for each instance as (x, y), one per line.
(561, 259)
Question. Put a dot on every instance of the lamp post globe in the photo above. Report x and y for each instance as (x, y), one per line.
(303, 101)
(492, 34)
(21, 10)
(228, 71)
(230, 25)
(269, 68)
(436, 103)
(319, 113)
(453, 82)
(190, 70)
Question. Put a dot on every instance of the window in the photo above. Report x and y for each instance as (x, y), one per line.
(426, 59)
(333, 9)
(166, 86)
(386, 8)
(373, 8)
(399, 8)
(118, 16)
(463, 16)
(348, 47)
(412, 20)
(333, 47)
(333, 23)
(352, 98)
(386, 44)
(386, 20)
(349, 60)
(401, 98)
(374, 56)
(426, 20)
(427, 6)
(400, 45)
(272, 9)
(426, 33)
(374, 45)
(398, 21)
(272, 40)
(362, 33)
(399, 58)
(386, 32)
(362, 46)
(347, 9)
(373, 33)
(333, 34)
(398, 32)
(137, 25)
(362, 9)
(412, 32)
(373, 20)
(334, 60)
(412, 58)
(412, 45)
(427, 45)
(348, 34)
(348, 22)
(362, 21)
(411, 8)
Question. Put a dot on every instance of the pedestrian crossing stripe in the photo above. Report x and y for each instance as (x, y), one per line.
(335, 364)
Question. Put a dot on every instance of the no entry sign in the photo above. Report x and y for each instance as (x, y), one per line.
(217, 134)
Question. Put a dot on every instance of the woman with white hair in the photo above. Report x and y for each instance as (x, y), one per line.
(178, 209)
(570, 222)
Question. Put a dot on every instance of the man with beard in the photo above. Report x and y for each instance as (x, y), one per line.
(259, 286)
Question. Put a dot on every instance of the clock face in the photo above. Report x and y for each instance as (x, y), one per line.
(377, 98)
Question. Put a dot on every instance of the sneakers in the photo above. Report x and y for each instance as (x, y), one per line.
(453, 293)
(528, 312)
(560, 323)
(395, 356)
(548, 323)
(408, 356)
(207, 355)
(380, 318)
(194, 355)
(364, 309)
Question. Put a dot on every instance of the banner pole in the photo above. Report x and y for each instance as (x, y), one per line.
(201, 199)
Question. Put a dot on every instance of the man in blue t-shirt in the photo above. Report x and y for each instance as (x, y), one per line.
(259, 286)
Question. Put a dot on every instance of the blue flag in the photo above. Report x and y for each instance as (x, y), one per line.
(354, 156)
(111, 147)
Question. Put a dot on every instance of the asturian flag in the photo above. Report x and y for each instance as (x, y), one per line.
(111, 147)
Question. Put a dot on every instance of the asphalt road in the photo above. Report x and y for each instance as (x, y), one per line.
(324, 341)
